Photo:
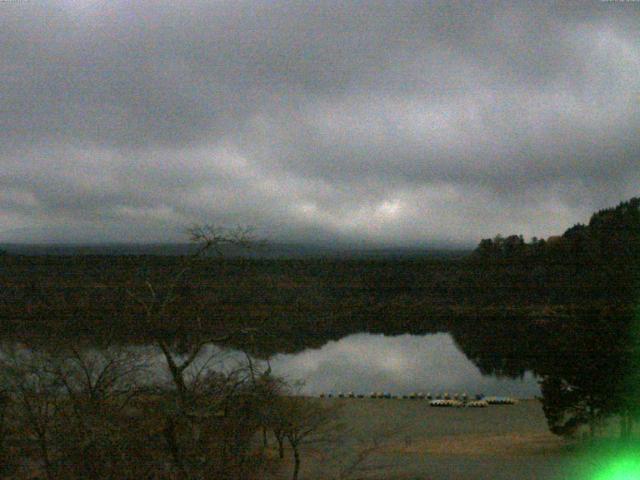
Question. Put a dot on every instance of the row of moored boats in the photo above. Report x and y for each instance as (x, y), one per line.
(440, 400)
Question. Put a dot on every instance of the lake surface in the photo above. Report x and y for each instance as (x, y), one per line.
(401, 364)
(361, 363)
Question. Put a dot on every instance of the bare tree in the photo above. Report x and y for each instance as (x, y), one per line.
(303, 421)
(36, 395)
(208, 404)
(298, 419)
(74, 404)
(215, 435)
(5, 402)
(68, 409)
(99, 384)
(95, 376)
(157, 301)
(357, 459)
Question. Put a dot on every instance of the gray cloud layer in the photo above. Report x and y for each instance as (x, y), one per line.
(391, 122)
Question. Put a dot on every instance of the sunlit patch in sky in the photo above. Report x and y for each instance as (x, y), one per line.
(390, 209)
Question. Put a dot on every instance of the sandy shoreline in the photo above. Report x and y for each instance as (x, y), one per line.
(416, 441)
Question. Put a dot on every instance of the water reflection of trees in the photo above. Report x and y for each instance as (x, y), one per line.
(587, 362)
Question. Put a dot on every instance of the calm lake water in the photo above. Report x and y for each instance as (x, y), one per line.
(364, 363)
(400, 364)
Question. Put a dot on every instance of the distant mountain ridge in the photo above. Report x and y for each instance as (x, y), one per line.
(276, 250)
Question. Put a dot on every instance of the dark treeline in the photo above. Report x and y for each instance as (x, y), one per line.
(301, 302)
(594, 262)
(305, 298)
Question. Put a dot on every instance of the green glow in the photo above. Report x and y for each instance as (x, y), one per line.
(604, 459)
(625, 468)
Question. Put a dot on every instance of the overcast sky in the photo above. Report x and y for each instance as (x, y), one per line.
(392, 123)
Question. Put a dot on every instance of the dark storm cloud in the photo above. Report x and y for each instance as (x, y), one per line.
(392, 122)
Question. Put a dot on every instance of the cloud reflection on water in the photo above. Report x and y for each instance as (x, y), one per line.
(400, 364)
(365, 362)
(361, 363)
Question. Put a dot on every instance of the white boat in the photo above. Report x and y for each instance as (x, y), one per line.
(500, 400)
(477, 404)
(446, 403)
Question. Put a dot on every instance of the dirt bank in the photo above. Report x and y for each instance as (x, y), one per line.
(408, 439)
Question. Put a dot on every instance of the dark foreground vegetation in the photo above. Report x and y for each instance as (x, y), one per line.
(83, 413)
(74, 410)
(563, 308)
